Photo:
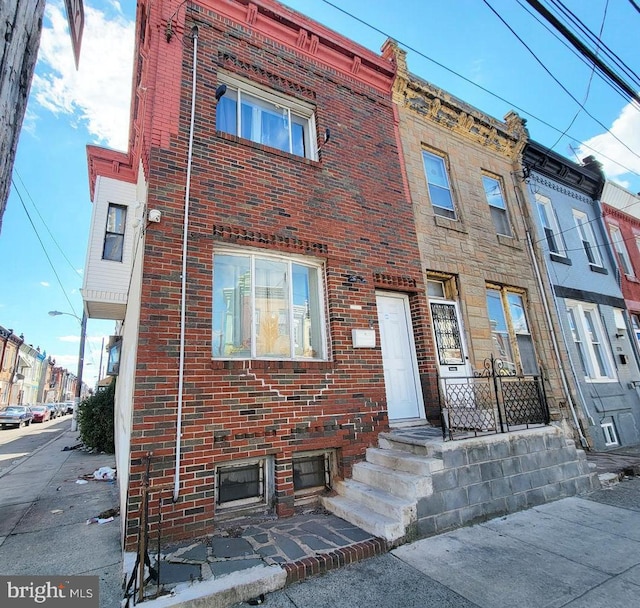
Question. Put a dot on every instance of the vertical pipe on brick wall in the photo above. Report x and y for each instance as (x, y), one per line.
(183, 288)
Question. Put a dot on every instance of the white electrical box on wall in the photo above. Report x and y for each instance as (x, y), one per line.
(363, 338)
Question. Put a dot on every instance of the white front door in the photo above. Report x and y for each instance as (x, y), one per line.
(402, 382)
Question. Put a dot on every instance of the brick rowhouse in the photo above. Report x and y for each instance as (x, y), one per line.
(346, 208)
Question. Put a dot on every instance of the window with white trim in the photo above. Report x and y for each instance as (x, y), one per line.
(550, 227)
(267, 306)
(266, 117)
(495, 197)
(587, 237)
(435, 170)
(621, 249)
(590, 341)
(113, 247)
(512, 340)
(610, 436)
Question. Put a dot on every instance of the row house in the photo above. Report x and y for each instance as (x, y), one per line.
(309, 253)
(259, 247)
(485, 299)
(32, 369)
(602, 365)
(621, 211)
(9, 360)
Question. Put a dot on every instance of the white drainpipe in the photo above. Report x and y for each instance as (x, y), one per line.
(183, 287)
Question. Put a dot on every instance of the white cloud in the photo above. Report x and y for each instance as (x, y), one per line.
(97, 95)
(45, 284)
(618, 160)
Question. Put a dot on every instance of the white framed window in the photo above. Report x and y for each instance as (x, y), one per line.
(244, 483)
(435, 170)
(587, 237)
(495, 197)
(621, 249)
(267, 306)
(114, 233)
(512, 340)
(266, 117)
(610, 436)
(590, 342)
(550, 227)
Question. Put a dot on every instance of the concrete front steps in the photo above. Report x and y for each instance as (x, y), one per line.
(415, 484)
(382, 496)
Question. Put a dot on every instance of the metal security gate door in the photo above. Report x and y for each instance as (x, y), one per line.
(452, 360)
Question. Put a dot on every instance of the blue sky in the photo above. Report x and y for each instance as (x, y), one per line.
(45, 227)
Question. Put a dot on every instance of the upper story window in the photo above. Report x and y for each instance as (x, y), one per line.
(550, 226)
(621, 249)
(495, 197)
(266, 117)
(588, 239)
(512, 339)
(114, 233)
(268, 307)
(588, 338)
(435, 171)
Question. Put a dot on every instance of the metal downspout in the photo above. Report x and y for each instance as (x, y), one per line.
(183, 301)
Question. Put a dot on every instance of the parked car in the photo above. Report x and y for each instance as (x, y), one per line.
(69, 405)
(62, 408)
(53, 410)
(15, 415)
(41, 413)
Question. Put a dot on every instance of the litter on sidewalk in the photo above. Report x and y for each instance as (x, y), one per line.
(104, 474)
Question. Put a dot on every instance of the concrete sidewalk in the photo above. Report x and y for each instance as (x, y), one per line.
(573, 553)
(44, 514)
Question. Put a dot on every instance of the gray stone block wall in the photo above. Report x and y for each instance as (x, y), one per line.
(496, 475)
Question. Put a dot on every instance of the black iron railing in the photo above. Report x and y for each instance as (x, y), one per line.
(493, 400)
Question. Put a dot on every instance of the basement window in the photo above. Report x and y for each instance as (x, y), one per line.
(241, 484)
(610, 437)
(311, 473)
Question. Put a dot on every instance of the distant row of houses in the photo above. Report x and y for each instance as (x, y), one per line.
(306, 246)
(28, 376)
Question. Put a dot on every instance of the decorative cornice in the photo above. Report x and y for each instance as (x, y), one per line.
(587, 179)
(435, 105)
(616, 213)
(558, 187)
(274, 21)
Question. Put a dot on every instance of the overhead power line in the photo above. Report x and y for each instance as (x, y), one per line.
(582, 48)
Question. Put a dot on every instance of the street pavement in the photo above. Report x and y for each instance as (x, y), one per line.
(580, 552)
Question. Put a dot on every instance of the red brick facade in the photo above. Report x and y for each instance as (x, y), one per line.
(629, 227)
(349, 209)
